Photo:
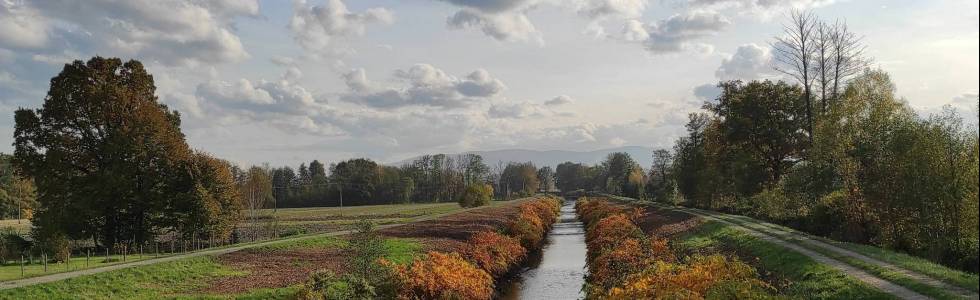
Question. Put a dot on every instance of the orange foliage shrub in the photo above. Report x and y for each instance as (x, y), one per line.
(625, 264)
(612, 266)
(494, 252)
(610, 231)
(592, 210)
(535, 218)
(527, 228)
(693, 280)
(442, 276)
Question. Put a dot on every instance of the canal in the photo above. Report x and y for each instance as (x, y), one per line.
(558, 270)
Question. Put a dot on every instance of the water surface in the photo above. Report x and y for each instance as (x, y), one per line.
(557, 271)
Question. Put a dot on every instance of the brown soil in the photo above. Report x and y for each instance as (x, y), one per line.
(281, 268)
(450, 233)
(666, 223)
(273, 269)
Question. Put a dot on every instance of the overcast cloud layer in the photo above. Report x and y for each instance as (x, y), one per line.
(280, 82)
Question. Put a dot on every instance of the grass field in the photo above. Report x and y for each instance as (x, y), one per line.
(320, 219)
(297, 220)
(793, 274)
(183, 279)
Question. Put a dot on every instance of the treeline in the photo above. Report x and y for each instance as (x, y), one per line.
(836, 154)
(618, 174)
(874, 172)
(361, 181)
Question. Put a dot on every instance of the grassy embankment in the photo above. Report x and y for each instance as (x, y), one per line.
(191, 278)
(950, 276)
(919, 265)
(183, 279)
(793, 274)
(299, 221)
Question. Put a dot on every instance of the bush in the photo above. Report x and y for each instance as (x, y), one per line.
(441, 276)
(528, 228)
(326, 285)
(609, 232)
(12, 245)
(494, 252)
(367, 246)
(700, 276)
(476, 194)
(56, 246)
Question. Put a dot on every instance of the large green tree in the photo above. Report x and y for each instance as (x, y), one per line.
(762, 121)
(108, 159)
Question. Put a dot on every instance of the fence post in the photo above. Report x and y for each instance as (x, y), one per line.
(106, 254)
(88, 255)
(44, 257)
(22, 265)
(68, 262)
(124, 252)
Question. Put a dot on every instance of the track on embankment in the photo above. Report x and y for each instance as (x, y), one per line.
(849, 262)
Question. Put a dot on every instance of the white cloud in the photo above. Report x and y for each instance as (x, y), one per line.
(427, 86)
(317, 27)
(756, 8)
(676, 33)
(189, 31)
(595, 9)
(503, 26)
(749, 62)
(519, 110)
(560, 100)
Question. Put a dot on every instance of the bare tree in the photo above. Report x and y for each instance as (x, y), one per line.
(662, 158)
(823, 65)
(847, 56)
(794, 55)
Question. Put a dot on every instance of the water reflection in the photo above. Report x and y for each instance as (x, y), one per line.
(557, 271)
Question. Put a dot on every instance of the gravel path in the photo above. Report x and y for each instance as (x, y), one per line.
(771, 235)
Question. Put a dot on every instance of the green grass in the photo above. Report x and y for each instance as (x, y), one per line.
(916, 264)
(12, 270)
(797, 275)
(161, 280)
(179, 279)
(402, 251)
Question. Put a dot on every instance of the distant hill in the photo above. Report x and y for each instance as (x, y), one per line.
(552, 158)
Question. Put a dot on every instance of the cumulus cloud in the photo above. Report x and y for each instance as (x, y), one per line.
(749, 62)
(502, 26)
(426, 86)
(676, 33)
(507, 20)
(596, 9)
(281, 96)
(317, 27)
(560, 100)
(189, 31)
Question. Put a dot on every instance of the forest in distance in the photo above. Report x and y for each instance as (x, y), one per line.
(823, 160)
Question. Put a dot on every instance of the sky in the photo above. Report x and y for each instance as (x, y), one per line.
(281, 82)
